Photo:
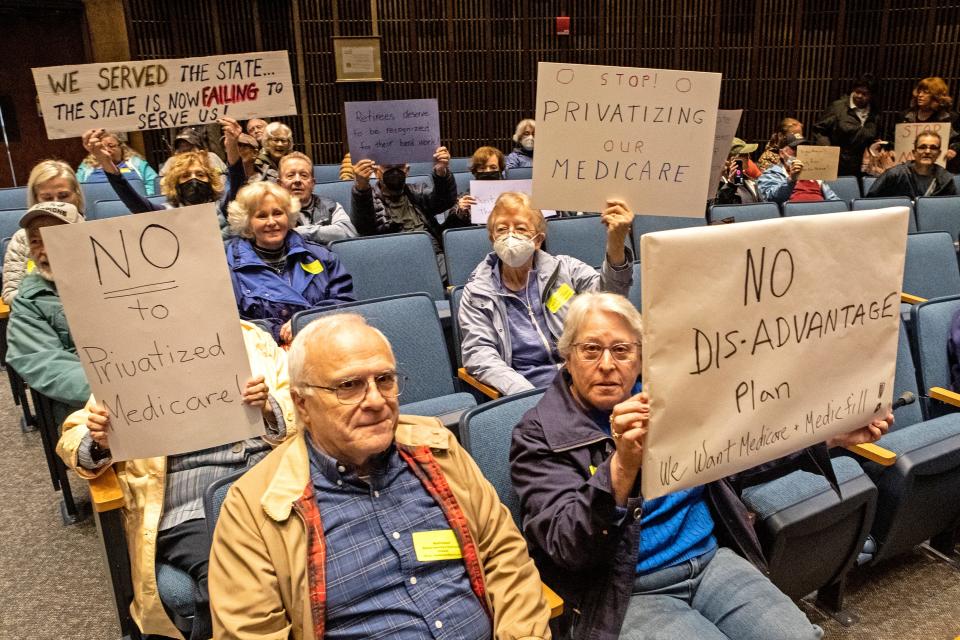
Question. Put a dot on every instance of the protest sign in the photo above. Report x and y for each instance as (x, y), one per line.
(159, 94)
(486, 193)
(907, 132)
(791, 339)
(640, 135)
(727, 122)
(151, 310)
(393, 131)
(819, 163)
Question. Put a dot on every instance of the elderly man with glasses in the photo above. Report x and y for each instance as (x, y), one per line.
(922, 177)
(371, 524)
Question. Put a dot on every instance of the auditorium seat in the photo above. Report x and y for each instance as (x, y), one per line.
(930, 269)
(814, 208)
(463, 181)
(10, 222)
(650, 224)
(846, 187)
(13, 198)
(866, 183)
(341, 192)
(866, 204)
(633, 295)
(463, 249)
(411, 325)
(744, 212)
(326, 173)
(102, 209)
(94, 191)
(582, 237)
(420, 169)
(520, 173)
(939, 213)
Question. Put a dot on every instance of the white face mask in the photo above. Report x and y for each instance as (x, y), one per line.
(514, 250)
(527, 142)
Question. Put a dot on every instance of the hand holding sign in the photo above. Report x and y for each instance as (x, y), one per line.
(362, 172)
(93, 143)
(441, 161)
(628, 426)
(618, 218)
(864, 435)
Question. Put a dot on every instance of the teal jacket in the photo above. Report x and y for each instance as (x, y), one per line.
(39, 345)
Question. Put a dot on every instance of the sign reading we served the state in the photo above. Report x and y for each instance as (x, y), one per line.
(763, 338)
(645, 136)
(151, 310)
(160, 94)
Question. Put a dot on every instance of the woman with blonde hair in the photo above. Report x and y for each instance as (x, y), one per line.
(50, 181)
(275, 272)
(126, 160)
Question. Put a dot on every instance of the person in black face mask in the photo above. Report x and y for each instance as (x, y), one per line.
(487, 163)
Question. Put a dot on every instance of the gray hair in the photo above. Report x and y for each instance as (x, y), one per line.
(298, 368)
(584, 304)
(277, 130)
(245, 205)
(523, 124)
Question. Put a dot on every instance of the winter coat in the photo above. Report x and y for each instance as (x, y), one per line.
(840, 127)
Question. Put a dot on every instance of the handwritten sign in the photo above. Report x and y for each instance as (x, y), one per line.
(780, 349)
(151, 311)
(393, 131)
(159, 94)
(906, 134)
(819, 163)
(641, 135)
(487, 191)
(727, 122)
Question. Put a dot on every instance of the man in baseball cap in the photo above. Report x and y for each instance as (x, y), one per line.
(784, 182)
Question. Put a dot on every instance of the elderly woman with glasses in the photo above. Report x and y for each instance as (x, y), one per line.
(515, 302)
(684, 565)
(921, 177)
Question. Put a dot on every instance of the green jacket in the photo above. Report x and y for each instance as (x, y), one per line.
(39, 345)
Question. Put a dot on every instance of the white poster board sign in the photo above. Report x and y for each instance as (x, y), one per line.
(819, 163)
(906, 134)
(486, 193)
(784, 337)
(727, 122)
(644, 136)
(160, 94)
(151, 310)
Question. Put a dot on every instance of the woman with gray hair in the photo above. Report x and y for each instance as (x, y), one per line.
(275, 272)
(522, 154)
(277, 142)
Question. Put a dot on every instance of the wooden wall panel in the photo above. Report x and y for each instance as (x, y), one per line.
(479, 57)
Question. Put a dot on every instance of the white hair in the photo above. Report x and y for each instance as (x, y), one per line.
(277, 130)
(316, 332)
(523, 124)
(586, 303)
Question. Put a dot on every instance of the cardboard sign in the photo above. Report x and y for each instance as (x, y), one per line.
(393, 131)
(819, 163)
(644, 136)
(487, 191)
(907, 132)
(160, 94)
(727, 122)
(151, 310)
(784, 337)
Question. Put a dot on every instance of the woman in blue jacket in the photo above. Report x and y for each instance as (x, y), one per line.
(275, 272)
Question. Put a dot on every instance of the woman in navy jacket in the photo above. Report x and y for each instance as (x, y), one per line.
(275, 272)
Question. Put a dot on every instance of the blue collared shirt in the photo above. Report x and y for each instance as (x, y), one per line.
(376, 586)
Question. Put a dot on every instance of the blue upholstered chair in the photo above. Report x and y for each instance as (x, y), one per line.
(13, 198)
(931, 270)
(463, 249)
(102, 209)
(866, 183)
(582, 237)
(463, 179)
(327, 173)
(650, 224)
(94, 191)
(634, 293)
(846, 187)
(460, 165)
(10, 222)
(814, 208)
(520, 173)
(939, 213)
(864, 204)
(340, 191)
(744, 212)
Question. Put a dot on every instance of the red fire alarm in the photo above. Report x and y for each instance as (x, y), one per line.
(563, 25)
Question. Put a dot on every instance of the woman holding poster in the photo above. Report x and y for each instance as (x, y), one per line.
(125, 158)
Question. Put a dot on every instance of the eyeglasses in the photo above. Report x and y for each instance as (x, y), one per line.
(354, 390)
(622, 351)
(928, 147)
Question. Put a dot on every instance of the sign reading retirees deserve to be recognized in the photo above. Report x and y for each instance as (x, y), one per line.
(151, 310)
(763, 338)
(644, 136)
(160, 94)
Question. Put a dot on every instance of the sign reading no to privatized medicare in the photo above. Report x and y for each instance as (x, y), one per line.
(644, 136)
(161, 94)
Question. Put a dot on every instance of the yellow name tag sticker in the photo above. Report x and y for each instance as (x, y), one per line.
(431, 546)
(593, 470)
(31, 265)
(559, 298)
(314, 267)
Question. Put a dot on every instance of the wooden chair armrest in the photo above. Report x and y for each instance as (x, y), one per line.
(105, 492)
(874, 453)
(910, 299)
(945, 395)
(4, 310)
(490, 392)
(554, 601)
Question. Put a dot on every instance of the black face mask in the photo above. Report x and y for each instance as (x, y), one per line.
(486, 175)
(394, 179)
(194, 192)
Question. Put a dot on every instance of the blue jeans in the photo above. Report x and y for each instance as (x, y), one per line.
(717, 596)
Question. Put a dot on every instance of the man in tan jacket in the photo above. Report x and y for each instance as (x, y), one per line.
(368, 523)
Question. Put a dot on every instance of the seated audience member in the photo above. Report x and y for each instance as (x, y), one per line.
(931, 102)
(851, 123)
(249, 149)
(877, 158)
(487, 163)
(255, 127)
(189, 140)
(522, 154)
(738, 182)
(782, 183)
(39, 345)
(516, 300)
(277, 142)
(921, 177)
(49, 181)
(320, 219)
(124, 158)
(336, 533)
(275, 272)
(625, 566)
(771, 153)
(392, 205)
(163, 507)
